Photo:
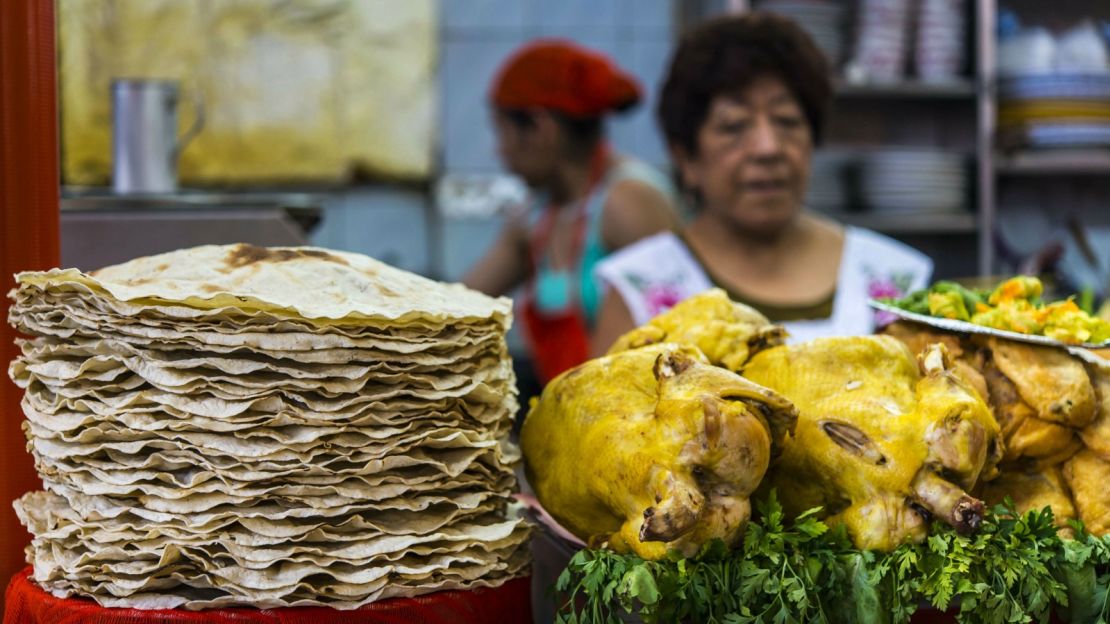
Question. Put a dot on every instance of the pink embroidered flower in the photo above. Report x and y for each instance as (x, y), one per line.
(878, 288)
(661, 297)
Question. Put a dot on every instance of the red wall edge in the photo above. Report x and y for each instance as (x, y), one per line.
(29, 195)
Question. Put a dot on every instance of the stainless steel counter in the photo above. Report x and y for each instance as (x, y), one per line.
(99, 228)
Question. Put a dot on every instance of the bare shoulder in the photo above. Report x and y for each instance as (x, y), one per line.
(635, 209)
(614, 319)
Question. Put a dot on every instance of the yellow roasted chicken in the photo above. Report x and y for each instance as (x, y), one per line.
(1033, 487)
(881, 444)
(1025, 433)
(728, 333)
(1051, 381)
(1050, 406)
(652, 449)
(967, 362)
(1088, 477)
(1096, 435)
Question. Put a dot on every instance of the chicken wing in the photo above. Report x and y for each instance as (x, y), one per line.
(1087, 475)
(1097, 434)
(1033, 489)
(728, 333)
(1051, 381)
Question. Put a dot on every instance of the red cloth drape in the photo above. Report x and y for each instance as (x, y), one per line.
(27, 603)
(28, 221)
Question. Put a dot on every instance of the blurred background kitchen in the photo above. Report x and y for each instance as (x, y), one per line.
(977, 131)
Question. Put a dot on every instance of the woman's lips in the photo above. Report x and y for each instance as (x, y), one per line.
(765, 187)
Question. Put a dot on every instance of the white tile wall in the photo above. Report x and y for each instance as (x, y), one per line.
(464, 242)
(383, 223)
(646, 18)
(482, 17)
(466, 71)
(568, 17)
(637, 132)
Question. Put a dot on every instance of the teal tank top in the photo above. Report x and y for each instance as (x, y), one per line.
(554, 288)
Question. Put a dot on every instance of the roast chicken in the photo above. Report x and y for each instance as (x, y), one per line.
(1049, 380)
(884, 443)
(1054, 414)
(652, 449)
(1097, 434)
(1088, 472)
(1088, 476)
(728, 333)
(967, 361)
(1034, 487)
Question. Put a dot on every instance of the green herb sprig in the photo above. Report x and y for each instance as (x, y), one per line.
(1017, 568)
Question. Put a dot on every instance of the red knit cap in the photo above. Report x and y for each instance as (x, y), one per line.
(564, 77)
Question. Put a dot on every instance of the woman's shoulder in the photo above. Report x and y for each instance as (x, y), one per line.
(637, 201)
(635, 171)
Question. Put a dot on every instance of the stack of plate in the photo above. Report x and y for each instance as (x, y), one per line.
(882, 41)
(822, 19)
(268, 427)
(1055, 110)
(1056, 86)
(914, 180)
(941, 32)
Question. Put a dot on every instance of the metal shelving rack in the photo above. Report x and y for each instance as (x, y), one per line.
(1032, 166)
(1068, 163)
(985, 50)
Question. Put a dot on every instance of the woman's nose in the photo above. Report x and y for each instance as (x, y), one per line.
(765, 140)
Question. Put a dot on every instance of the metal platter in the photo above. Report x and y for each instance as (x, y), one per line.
(1081, 351)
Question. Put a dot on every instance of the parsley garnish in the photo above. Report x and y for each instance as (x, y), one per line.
(1015, 569)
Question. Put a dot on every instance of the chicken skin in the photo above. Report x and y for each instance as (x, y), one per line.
(728, 333)
(652, 449)
(881, 444)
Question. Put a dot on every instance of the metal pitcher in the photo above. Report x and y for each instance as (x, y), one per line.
(145, 145)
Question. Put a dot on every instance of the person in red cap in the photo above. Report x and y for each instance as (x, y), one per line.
(549, 103)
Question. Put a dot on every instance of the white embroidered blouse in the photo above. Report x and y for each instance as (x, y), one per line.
(655, 273)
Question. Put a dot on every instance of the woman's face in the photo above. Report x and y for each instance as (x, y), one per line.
(753, 157)
(528, 151)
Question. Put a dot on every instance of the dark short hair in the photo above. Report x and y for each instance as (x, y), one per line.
(724, 55)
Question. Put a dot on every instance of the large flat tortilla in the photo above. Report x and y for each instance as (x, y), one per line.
(309, 283)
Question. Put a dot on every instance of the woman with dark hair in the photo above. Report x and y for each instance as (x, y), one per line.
(549, 104)
(742, 108)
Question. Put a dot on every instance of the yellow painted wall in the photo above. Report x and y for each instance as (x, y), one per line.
(295, 90)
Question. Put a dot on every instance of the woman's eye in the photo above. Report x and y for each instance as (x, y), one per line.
(789, 121)
(733, 127)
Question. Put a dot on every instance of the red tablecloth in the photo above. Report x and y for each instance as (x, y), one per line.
(27, 603)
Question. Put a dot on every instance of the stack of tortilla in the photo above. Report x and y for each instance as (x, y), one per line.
(234, 425)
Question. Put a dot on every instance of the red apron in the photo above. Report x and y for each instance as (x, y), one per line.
(560, 339)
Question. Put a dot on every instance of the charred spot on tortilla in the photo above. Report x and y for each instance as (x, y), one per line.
(243, 255)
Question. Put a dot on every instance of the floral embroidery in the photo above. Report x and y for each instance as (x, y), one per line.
(658, 295)
(893, 284)
(661, 297)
